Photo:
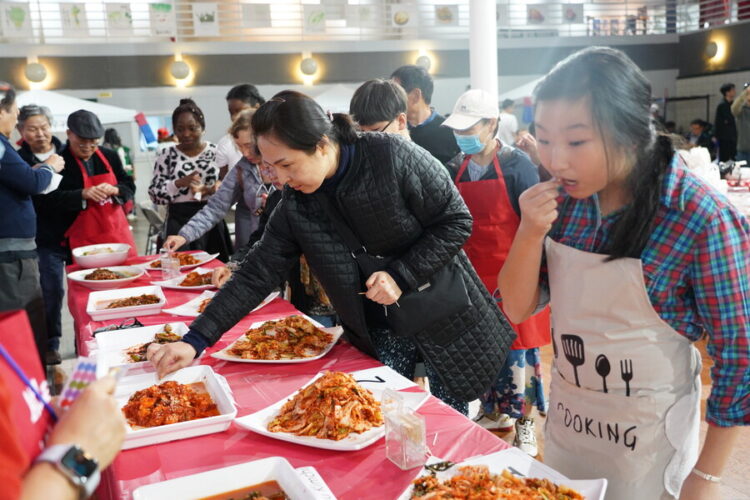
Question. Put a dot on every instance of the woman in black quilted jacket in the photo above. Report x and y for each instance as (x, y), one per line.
(402, 205)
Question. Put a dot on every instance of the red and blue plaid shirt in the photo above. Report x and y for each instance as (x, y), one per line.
(696, 268)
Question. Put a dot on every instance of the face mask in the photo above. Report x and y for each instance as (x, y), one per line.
(469, 144)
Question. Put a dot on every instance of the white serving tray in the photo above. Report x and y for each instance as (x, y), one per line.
(190, 308)
(336, 331)
(96, 298)
(115, 258)
(132, 273)
(174, 283)
(520, 464)
(202, 257)
(216, 386)
(300, 484)
(111, 346)
(258, 421)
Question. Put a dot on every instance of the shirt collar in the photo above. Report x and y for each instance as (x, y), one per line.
(428, 120)
(672, 196)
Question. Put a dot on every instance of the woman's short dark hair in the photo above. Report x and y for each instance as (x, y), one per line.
(189, 106)
(247, 93)
(300, 123)
(376, 101)
(112, 137)
(413, 77)
(620, 99)
(726, 88)
(7, 96)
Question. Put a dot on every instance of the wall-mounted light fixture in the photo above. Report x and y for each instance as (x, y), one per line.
(35, 72)
(716, 50)
(426, 60)
(181, 71)
(308, 70)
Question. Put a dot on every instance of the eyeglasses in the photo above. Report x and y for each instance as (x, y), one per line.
(386, 126)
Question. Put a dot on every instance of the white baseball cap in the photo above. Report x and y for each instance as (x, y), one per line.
(472, 106)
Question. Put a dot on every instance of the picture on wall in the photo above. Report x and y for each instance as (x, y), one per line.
(446, 15)
(572, 13)
(537, 13)
(256, 15)
(363, 16)
(161, 16)
(16, 20)
(503, 14)
(74, 21)
(119, 19)
(314, 18)
(404, 16)
(205, 19)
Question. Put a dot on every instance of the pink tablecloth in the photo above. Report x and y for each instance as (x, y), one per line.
(350, 475)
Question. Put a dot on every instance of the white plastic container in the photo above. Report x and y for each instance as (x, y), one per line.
(99, 300)
(111, 346)
(132, 273)
(118, 255)
(217, 388)
(295, 483)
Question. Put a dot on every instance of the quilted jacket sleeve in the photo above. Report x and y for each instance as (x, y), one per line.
(266, 265)
(432, 198)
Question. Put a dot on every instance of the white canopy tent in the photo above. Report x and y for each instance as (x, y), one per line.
(63, 105)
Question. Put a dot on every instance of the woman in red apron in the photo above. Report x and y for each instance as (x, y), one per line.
(639, 259)
(490, 177)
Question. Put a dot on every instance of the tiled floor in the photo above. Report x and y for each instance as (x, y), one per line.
(736, 477)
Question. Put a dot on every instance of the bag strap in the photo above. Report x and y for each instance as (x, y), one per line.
(356, 249)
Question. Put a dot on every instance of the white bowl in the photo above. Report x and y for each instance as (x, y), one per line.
(133, 274)
(115, 258)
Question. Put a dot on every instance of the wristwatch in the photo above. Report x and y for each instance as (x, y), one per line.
(80, 468)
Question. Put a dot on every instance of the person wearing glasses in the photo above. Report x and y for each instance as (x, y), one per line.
(245, 185)
(380, 106)
(87, 208)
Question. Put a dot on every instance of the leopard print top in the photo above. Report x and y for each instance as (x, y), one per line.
(171, 164)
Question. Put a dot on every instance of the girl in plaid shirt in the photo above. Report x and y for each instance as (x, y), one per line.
(637, 258)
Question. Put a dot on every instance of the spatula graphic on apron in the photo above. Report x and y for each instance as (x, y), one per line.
(573, 349)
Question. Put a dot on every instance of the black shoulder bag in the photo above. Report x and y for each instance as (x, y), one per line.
(443, 295)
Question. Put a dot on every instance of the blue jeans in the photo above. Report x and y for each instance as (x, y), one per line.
(327, 321)
(51, 276)
(743, 155)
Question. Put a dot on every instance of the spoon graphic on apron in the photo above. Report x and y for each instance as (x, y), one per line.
(573, 349)
(602, 368)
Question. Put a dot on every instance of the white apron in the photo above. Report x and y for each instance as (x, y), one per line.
(625, 388)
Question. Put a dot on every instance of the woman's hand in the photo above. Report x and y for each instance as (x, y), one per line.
(538, 208)
(381, 288)
(186, 181)
(220, 276)
(174, 242)
(94, 422)
(168, 358)
(696, 488)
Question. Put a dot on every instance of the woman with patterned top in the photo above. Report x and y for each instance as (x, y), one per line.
(638, 258)
(185, 175)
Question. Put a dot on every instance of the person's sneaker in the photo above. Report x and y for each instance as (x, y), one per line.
(52, 358)
(525, 439)
(503, 422)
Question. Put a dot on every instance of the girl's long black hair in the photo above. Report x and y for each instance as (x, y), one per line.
(620, 99)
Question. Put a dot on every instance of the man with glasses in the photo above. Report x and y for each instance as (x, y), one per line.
(380, 106)
(85, 209)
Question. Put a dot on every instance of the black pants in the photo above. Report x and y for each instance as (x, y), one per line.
(216, 240)
(727, 150)
(20, 289)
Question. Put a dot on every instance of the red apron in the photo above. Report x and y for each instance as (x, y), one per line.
(102, 222)
(28, 414)
(495, 226)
